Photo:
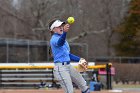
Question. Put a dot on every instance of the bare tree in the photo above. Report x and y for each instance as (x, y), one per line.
(95, 20)
(109, 17)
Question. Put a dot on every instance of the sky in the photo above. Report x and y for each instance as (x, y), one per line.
(16, 4)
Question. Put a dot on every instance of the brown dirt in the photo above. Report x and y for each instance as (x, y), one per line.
(50, 91)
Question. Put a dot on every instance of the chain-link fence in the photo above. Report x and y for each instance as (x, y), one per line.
(116, 59)
(26, 51)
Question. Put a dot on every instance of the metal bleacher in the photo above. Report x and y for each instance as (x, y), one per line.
(27, 75)
(25, 78)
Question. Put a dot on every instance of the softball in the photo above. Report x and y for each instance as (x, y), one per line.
(70, 20)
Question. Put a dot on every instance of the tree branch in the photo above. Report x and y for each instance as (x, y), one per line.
(13, 15)
(83, 34)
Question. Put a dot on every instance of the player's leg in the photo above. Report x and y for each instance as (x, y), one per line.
(86, 91)
(78, 80)
(61, 73)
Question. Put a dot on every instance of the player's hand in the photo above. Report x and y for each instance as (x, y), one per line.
(66, 27)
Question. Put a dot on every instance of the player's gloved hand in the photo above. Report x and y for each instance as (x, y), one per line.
(82, 65)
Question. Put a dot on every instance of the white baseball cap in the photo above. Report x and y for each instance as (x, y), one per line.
(56, 23)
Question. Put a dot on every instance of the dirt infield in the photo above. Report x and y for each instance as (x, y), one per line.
(53, 91)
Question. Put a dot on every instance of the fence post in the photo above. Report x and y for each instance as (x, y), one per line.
(7, 51)
(0, 78)
(28, 51)
(108, 77)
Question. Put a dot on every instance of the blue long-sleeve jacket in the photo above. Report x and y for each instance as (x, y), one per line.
(61, 50)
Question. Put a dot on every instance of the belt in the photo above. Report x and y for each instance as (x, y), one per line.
(63, 63)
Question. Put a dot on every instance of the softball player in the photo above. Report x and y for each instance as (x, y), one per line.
(64, 72)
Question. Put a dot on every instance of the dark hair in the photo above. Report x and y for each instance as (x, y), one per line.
(50, 24)
(50, 50)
